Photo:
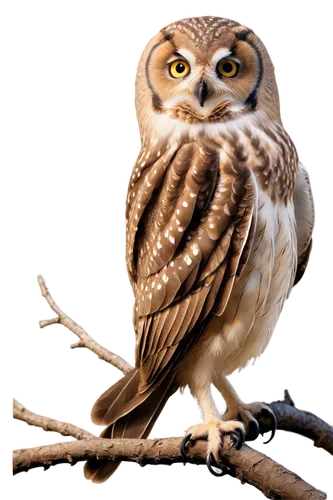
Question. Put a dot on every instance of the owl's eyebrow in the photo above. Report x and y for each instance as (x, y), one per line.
(178, 55)
(221, 53)
(185, 54)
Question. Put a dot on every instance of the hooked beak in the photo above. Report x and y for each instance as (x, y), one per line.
(202, 92)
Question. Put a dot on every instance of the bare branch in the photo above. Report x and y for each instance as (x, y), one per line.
(271, 478)
(247, 465)
(289, 418)
(85, 339)
(49, 424)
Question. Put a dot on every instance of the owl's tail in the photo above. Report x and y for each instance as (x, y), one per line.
(128, 414)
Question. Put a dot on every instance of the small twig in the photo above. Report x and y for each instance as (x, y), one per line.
(85, 339)
(77, 344)
(287, 399)
(46, 322)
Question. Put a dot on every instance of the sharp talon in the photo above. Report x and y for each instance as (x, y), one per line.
(274, 422)
(252, 431)
(274, 429)
(183, 446)
(212, 466)
(240, 438)
(269, 414)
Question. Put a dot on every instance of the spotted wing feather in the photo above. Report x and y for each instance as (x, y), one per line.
(190, 243)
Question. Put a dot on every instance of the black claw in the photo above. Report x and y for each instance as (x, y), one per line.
(183, 446)
(268, 414)
(238, 437)
(212, 466)
(253, 430)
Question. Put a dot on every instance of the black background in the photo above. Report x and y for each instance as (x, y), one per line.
(73, 114)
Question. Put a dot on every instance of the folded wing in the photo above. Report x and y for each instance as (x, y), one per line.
(191, 235)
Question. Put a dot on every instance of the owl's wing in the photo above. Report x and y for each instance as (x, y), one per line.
(304, 213)
(190, 244)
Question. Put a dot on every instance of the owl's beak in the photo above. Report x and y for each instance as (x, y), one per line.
(202, 92)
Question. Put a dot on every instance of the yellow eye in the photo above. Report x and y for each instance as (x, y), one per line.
(179, 69)
(227, 68)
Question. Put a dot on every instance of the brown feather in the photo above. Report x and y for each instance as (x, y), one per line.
(203, 260)
(136, 424)
(115, 397)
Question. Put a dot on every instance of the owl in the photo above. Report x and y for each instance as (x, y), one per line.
(219, 229)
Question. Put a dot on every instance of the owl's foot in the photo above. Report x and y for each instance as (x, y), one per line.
(213, 432)
(257, 418)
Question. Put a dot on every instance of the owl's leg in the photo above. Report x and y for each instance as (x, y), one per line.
(213, 427)
(256, 417)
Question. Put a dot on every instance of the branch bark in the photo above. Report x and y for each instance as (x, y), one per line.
(247, 465)
(291, 419)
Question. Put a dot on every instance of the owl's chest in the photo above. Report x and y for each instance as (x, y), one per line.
(256, 301)
(271, 267)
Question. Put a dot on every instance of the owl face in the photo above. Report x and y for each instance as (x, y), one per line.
(211, 85)
(204, 70)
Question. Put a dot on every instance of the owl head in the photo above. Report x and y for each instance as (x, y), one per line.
(202, 71)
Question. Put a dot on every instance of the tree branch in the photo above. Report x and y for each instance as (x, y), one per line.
(291, 419)
(249, 464)
(85, 339)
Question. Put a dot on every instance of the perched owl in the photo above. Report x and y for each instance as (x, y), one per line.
(219, 229)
